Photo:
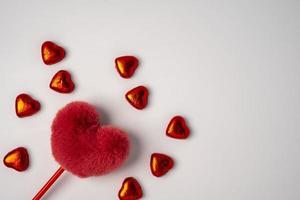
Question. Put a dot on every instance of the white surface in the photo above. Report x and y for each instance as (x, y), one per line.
(230, 67)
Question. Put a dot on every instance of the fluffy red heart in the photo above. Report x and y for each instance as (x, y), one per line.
(82, 146)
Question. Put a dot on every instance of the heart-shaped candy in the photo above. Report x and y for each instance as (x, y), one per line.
(62, 82)
(130, 190)
(138, 97)
(126, 65)
(52, 53)
(160, 164)
(26, 106)
(82, 146)
(177, 128)
(17, 159)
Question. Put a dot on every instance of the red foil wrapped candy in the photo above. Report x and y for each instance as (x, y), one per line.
(160, 164)
(177, 128)
(17, 159)
(62, 82)
(52, 53)
(126, 65)
(130, 190)
(26, 106)
(138, 97)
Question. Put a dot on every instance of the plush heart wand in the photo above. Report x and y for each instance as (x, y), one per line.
(83, 147)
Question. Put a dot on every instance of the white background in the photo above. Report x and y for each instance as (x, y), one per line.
(230, 67)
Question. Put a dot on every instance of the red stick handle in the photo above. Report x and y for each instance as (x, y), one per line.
(48, 184)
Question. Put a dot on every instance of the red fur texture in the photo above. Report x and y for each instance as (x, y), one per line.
(83, 147)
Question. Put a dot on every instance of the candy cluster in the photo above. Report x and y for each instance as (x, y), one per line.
(25, 106)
